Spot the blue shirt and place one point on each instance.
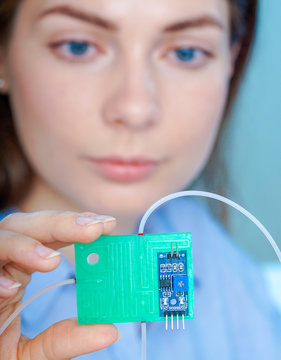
(234, 318)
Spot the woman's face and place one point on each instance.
(118, 103)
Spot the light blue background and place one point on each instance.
(253, 142)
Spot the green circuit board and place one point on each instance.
(134, 278)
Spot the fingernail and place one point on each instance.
(45, 252)
(105, 218)
(91, 220)
(16, 285)
(119, 335)
(84, 220)
(8, 283)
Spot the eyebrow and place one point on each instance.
(106, 24)
(198, 22)
(92, 19)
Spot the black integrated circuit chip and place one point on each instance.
(166, 283)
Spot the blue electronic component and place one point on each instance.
(180, 283)
(173, 283)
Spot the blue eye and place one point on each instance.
(187, 54)
(77, 47)
(75, 51)
(189, 57)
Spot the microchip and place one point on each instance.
(165, 283)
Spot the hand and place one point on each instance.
(28, 243)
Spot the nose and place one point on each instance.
(132, 103)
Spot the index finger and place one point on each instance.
(59, 228)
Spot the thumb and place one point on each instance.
(66, 339)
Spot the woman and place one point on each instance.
(108, 107)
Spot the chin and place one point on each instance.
(123, 201)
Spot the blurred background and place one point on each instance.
(253, 151)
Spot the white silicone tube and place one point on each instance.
(216, 197)
(33, 297)
(143, 340)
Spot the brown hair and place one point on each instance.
(15, 172)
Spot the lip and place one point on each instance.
(124, 170)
